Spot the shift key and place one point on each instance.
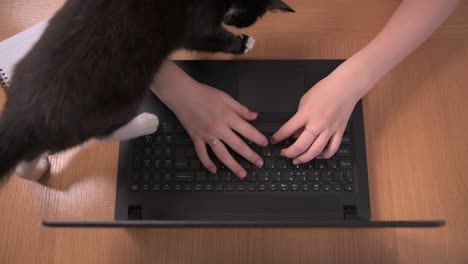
(184, 176)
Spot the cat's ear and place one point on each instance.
(280, 5)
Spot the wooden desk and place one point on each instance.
(416, 123)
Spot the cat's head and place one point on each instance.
(244, 13)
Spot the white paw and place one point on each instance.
(146, 123)
(249, 44)
(33, 170)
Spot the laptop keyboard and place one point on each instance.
(167, 162)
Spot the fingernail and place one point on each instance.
(265, 143)
(273, 141)
(259, 163)
(295, 162)
(213, 170)
(242, 174)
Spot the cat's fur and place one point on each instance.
(86, 76)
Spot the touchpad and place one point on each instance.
(270, 88)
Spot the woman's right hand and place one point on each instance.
(211, 117)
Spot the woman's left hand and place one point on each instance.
(321, 119)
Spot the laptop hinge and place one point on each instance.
(350, 212)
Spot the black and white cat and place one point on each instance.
(87, 75)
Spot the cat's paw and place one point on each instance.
(34, 170)
(146, 124)
(247, 43)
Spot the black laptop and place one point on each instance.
(161, 182)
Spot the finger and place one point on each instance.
(298, 133)
(314, 150)
(240, 109)
(294, 124)
(225, 157)
(243, 149)
(248, 131)
(202, 153)
(333, 145)
(301, 145)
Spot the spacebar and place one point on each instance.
(267, 127)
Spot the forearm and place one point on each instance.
(169, 79)
(413, 22)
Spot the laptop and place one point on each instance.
(161, 182)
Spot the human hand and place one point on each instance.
(320, 121)
(212, 117)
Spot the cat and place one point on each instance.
(88, 73)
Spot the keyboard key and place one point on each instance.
(325, 176)
(264, 176)
(158, 140)
(267, 153)
(156, 187)
(200, 176)
(288, 176)
(157, 152)
(269, 164)
(294, 187)
(338, 176)
(326, 187)
(167, 187)
(301, 176)
(179, 129)
(156, 176)
(273, 187)
(213, 177)
(281, 164)
(314, 176)
(209, 187)
(136, 162)
(148, 140)
(190, 153)
(349, 176)
(262, 187)
(344, 152)
(146, 176)
(167, 164)
(180, 160)
(275, 176)
(188, 187)
(346, 164)
(147, 164)
(147, 151)
(349, 187)
(167, 176)
(226, 176)
(251, 187)
(244, 163)
(177, 187)
(276, 152)
(135, 187)
(230, 187)
(166, 128)
(182, 176)
(346, 139)
(332, 164)
(183, 140)
(240, 187)
(294, 167)
(320, 164)
(198, 187)
(252, 176)
(169, 140)
(157, 164)
(168, 151)
(219, 187)
(305, 187)
(337, 187)
(315, 187)
(194, 164)
(283, 187)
